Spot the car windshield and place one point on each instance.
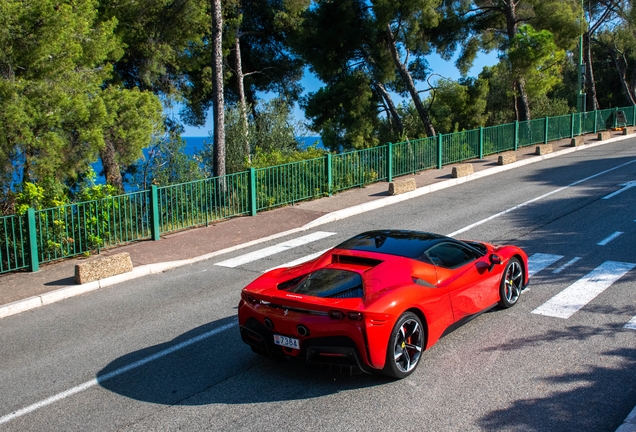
(333, 283)
(408, 244)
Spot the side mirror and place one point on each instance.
(494, 260)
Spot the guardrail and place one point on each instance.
(46, 235)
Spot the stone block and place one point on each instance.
(506, 158)
(401, 186)
(102, 267)
(577, 141)
(462, 170)
(543, 149)
(628, 130)
(604, 135)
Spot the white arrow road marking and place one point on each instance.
(581, 292)
(627, 186)
(262, 253)
(539, 261)
(631, 324)
(100, 379)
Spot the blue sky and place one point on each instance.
(441, 67)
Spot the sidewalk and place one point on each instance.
(20, 291)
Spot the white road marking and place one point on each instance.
(262, 253)
(299, 260)
(631, 324)
(627, 186)
(539, 261)
(92, 383)
(580, 293)
(566, 265)
(609, 239)
(483, 221)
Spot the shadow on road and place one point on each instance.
(221, 369)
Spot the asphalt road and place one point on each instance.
(163, 352)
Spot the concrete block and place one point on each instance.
(506, 158)
(103, 267)
(401, 186)
(577, 141)
(604, 135)
(462, 170)
(543, 149)
(628, 130)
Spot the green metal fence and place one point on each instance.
(412, 156)
(66, 231)
(358, 168)
(83, 227)
(200, 202)
(13, 244)
(289, 183)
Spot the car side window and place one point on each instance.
(450, 255)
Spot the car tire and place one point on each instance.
(511, 284)
(405, 346)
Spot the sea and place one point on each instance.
(193, 145)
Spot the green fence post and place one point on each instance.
(634, 115)
(481, 142)
(439, 151)
(516, 135)
(546, 130)
(572, 125)
(595, 122)
(389, 162)
(32, 238)
(329, 173)
(154, 213)
(252, 180)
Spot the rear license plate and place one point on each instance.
(286, 341)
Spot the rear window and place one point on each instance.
(334, 283)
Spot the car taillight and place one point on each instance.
(354, 316)
(336, 315)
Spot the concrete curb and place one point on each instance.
(75, 290)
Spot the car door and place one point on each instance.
(466, 276)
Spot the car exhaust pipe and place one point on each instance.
(302, 330)
(269, 324)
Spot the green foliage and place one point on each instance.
(262, 159)
(270, 129)
(39, 196)
(458, 106)
(536, 57)
(166, 164)
(345, 112)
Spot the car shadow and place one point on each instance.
(219, 368)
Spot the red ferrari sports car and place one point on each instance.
(379, 299)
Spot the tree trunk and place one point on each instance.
(218, 102)
(621, 67)
(241, 92)
(390, 106)
(590, 85)
(522, 105)
(410, 85)
(112, 171)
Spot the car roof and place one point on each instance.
(407, 244)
